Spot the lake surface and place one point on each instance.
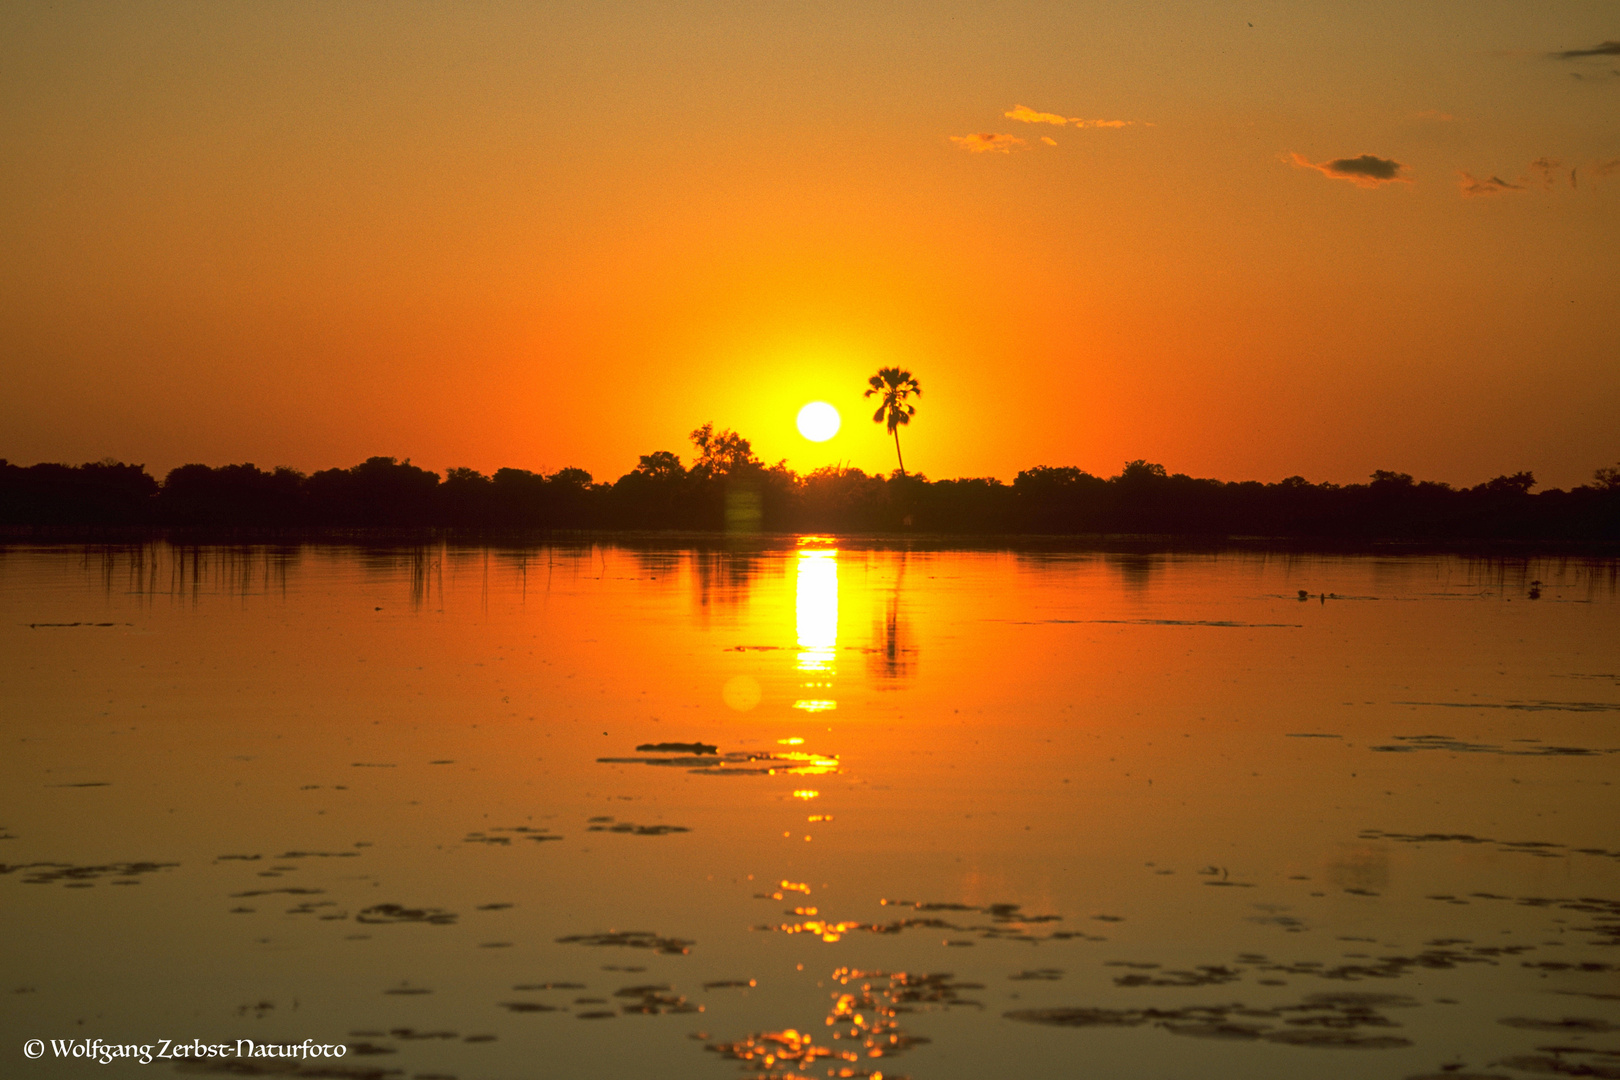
(966, 813)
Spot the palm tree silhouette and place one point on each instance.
(895, 385)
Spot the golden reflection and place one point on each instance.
(816, 609)
(806, 764)
(864, 1024)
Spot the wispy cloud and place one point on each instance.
(1605, 48)
(1029, 116)
(987, 142)
(1473, 187)
(1048, 140)
(1365, 171)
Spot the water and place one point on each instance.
(966, 814)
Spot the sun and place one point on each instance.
(819, 421)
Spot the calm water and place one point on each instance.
(967, 814)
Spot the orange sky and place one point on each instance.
(566, 234)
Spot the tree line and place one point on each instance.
(726, 487)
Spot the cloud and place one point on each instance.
(1473, 187)
(1030, 116)
(987, 142)
(1607, 48)
(1048, 140)
(1365, 171)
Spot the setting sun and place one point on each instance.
(819, 421)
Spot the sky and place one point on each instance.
(1245, 241)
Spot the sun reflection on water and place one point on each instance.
(816, 614)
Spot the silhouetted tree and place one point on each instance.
(722, 453)
(98, 493)
(893, 385)
(232, 495)
(729, 488)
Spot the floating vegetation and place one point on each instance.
(49, 873)
(678, 748)
(1407, 744)
(1394, 967)
(1566, 1061)
(1320, 1020)
(527, 1007)
(632, 939)
(1038, 975)
(635, 830)
(291, 890)
(1605, 926)
(310, 907)
(522, 832)
(1008, 922)
(1540, 848)
(1522, 706)
(1585, 1024)
(1203, 975)
(654, 1000)
(737, 762)
(66, 625)
(863, 1023)
(1591, 967)
(730, 984)
(529, 987)
(405, 1033)
(395, 913)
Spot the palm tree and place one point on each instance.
(894, 385)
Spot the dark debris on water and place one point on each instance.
(1332, 1020)
(631, 939)
(50, 873)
